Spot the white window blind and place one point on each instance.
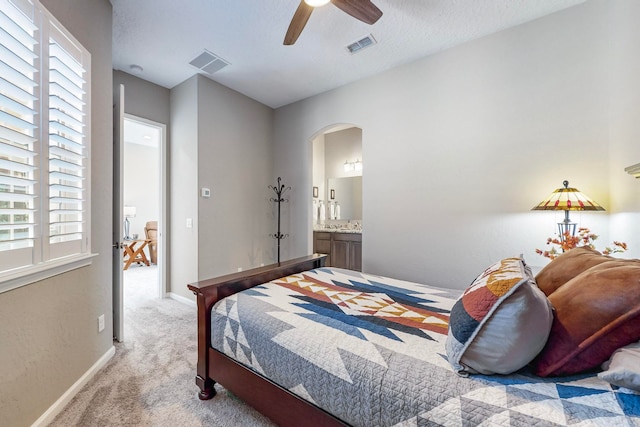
(18, 137)
(67, 148)
(44, 139)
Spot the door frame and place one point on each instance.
(118, 172)
(162, 213)
(116, 267)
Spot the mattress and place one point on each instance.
(371, 351)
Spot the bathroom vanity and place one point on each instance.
(344, 248)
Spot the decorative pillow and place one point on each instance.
(567, 266)
(500, 323)
(597, 312)
(623, 369)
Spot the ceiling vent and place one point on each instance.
(209, 62)
(361, 44)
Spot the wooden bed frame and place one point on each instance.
(275, 402)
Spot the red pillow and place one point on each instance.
(567, 266)
(596, 313)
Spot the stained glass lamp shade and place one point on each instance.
(567, 199)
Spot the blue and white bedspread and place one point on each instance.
(370, 350)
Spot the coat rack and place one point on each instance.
(279, 189)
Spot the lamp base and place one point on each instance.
(566, 228)
(126, 229)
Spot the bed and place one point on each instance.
(310, 345)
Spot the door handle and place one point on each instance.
(118, 245)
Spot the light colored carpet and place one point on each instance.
(150, 380)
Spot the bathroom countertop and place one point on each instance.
(339, 230)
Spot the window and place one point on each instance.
(44, 145)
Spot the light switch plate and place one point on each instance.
(205, 192)
(101, 323)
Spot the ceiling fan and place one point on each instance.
(363, 10)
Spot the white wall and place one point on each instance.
(625, 126)
(141, 184)
(458, 147)
(48, 330)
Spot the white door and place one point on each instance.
(118, 233)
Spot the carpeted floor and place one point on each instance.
(150, 380)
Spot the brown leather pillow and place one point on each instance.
(596, 313)
(567, 266)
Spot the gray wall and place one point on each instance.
(152, 102)
(341, 146)
(48, 330)
(227, 137)
(144, 99)
(235, 158)
(183, 186)
(458, 147)
(222, 140)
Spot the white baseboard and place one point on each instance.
(62, 402)
(182, 299)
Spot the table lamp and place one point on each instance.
(567, 199)
(128, 212)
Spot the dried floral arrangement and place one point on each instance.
(584, 238)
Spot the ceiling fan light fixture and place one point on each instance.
(316, 3)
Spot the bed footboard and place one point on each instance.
(208, 292)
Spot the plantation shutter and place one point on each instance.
(45, 116)
(67, 149)
(18, 138)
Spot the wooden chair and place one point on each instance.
(151, 233)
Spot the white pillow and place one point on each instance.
(623, 368)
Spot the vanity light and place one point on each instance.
(352, 166)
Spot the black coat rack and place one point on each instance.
(279, 189)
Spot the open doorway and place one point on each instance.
(142, 183)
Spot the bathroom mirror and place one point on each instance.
(347, 192)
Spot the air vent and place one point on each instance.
(361, 44)
(208, 62)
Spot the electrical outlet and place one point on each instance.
(189, 222)
(101, 323)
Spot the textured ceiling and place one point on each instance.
(162, 36)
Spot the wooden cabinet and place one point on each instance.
(344, 249)
(322, 244)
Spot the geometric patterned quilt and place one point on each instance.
(370, 350)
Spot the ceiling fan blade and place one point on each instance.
(363, 10)
(298, 22)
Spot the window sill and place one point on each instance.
(25, 276)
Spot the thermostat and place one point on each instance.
(205, 192)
